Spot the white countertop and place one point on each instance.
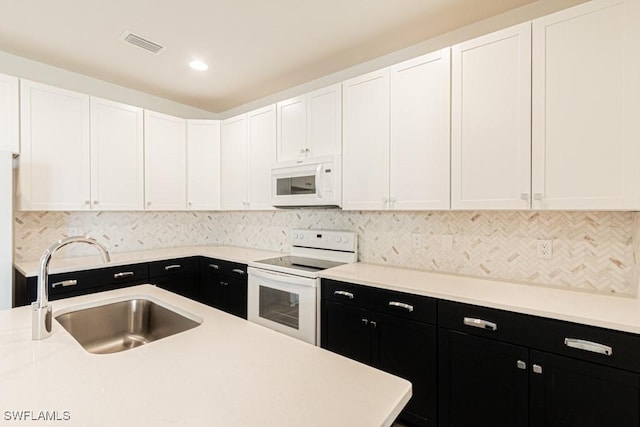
(611, 312)
(225, 372)
(227, 253)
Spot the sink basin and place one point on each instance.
(123, 325)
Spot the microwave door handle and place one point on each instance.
(319, 189)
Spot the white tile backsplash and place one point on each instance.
(594, 251)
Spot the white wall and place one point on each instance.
(6, 229)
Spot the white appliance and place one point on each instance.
(307, 182)
(284, 292)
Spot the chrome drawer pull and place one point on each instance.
(593, 347)
(214, 266)
(343, 294)
(123, 274)
(406, 306)
(70, 282)
(171, 267)
(479, 323)
(238, 271)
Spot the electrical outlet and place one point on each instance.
(544, 249)
(416, 240)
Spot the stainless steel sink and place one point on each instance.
(123, 325)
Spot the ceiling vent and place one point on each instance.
(141, 42)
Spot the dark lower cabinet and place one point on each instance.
(482, 382)
(223, 285)
(498, 368)
(176, 275)
(570, 392)
(65, 285)
(379, 328)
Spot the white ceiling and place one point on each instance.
(253, 47)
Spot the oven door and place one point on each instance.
(284, 303)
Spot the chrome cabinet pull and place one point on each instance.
(537, 369)
(123, 274)
(479, 323)
(171, 267)
(214, 266)
(524, 196)
(365, 322)
(403, 305)
(343, 294)
(238, 271)
(373, 324)
(64, 283)
(521, 364)
(591, 346)
(224, 283)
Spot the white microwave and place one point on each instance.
(312, 182)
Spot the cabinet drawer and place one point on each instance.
(347, 293)
(409, 306)
(593, 344)
(171, 267)
(133, 273)
(487, 322)
(212, 266)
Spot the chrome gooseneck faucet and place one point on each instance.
(41, 309)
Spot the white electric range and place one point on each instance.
(284, 292)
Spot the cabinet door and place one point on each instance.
(419, 150)
(165, 162)
(480, 382)
(365, 146)
(117, 156)
(9, 114)
(203, 164)
(292, 125)
(237, 296)
(234, 172)
(346, 331)
(408, 349)
(569, 392)
(491, 121)
(586, 103)
(324, 121)
(262, 156)
(54, 171)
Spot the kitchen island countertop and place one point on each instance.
(225, 372)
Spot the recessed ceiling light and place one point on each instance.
(197, 64)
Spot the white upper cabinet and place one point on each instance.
(9, 105)
(365, 149)
(262, 155)
(117, 156)
(54, 171)
(491, 121)
(586, 107)
(203, 164)
(419, 143)
(396, 136)
(310, 125)
(165, 162)
(234, 167)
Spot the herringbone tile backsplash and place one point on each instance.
(594, 251)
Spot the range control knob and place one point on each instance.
(338, 239)
(295, 235)
(345, 239)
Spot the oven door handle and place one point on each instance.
(281, 277)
